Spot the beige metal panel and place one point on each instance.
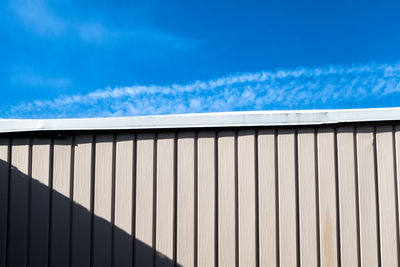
(61, 204)
(387, 198)
(81, 217)
(367, 196)
(144, 200)
(206, 200)
(287, 198)
(123, 200)
(347, 197)
(307, 198)
(165, 197)
(267, 198)
(185, 215)
(226, 199)
(163, 220)
(3, 197)
(246, 198)
(19, 192)
(40, 202)
(327, 197)
(397, 155)
(103, 185)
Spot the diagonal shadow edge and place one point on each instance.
(46, 240)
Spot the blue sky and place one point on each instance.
(122, 58)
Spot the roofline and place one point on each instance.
(205, 120)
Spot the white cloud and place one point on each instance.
(36, 15)
(29, 78)
(302, 87)
(39, 17)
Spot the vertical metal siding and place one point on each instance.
(251, 197)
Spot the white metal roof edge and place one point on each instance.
(205, 120)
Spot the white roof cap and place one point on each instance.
(205, 120)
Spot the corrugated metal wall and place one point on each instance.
(252, 197)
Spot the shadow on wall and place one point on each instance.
(37, 235)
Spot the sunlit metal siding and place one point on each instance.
(250, 196)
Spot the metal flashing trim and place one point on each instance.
(205, 120)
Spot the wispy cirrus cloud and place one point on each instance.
(329, 86)
(40, 18)
(32, 79)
